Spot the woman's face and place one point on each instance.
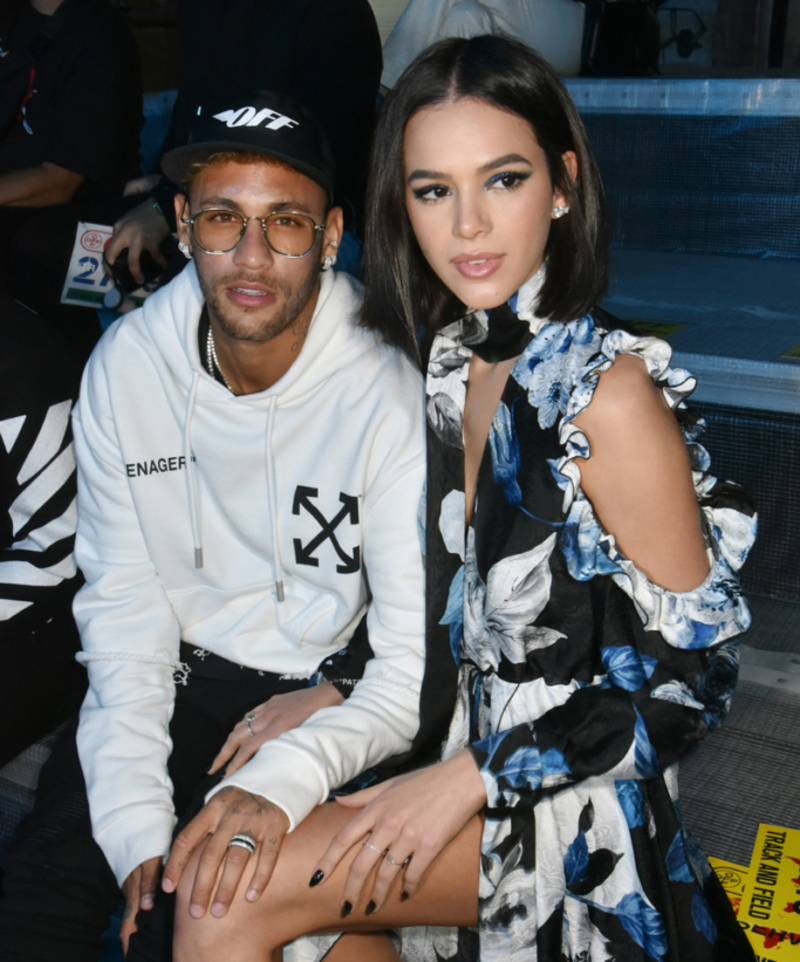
(479, 197)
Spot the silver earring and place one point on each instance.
(328, 262)
(184, 249)
(559, 211)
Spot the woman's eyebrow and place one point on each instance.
(502, 161)
(426, 175)
(421, 174)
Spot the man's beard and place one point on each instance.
(239, 323)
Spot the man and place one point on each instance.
(70, 114)
(248, 457)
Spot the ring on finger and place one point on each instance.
(392, 861)
(247, 722)
(250, 717)
(243, 840)
(380, 851)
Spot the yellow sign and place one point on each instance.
(733, 879)
(770, 907)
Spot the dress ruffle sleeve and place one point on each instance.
(715, 609)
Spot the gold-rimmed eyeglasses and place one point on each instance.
(289, 233)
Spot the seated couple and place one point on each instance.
(251, 453)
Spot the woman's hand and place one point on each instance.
(407, 822)
(279, 714)
(230, 812)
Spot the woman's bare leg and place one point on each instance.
(252, 931)
(364, 946)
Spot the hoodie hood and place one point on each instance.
(333, 342)
(170, 318)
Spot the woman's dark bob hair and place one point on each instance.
(403, 294)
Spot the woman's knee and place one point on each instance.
(210, 938)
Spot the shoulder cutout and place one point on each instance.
(638, 478)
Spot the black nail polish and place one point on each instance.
(405, 897)
(316, 878)
(347, 908)
(370, 908)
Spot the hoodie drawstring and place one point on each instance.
(191, 472)
(273, 497)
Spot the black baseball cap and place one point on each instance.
(266, 123)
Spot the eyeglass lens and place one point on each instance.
(286, 232)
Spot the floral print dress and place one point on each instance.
(580, 683)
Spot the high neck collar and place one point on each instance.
(505, 331)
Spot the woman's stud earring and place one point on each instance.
(184, 249)
(559, 211)
(328, 262)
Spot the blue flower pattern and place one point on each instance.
(504, 448)
(598, 812)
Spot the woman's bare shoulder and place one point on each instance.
(624, 393)
(638, 476)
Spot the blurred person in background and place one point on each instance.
(70, 115)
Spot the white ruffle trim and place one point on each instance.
(715, 609)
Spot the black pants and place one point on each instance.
(58, 889)
(41, 685)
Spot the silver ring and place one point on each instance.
(250, 717)
(243, 841)
(402, 864)
(380, 851)
(247, 723)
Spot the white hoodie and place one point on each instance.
(174, 470)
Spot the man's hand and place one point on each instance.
(230, 812)
(139, 888)
(143, 228)
(279, 714)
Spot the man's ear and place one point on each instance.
(334, 228)
(181, 216)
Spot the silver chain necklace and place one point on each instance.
(213, 360)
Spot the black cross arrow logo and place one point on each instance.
(305, 555)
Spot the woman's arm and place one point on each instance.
(638, 477)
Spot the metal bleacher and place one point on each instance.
(701, 178)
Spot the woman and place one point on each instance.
(580, 566)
